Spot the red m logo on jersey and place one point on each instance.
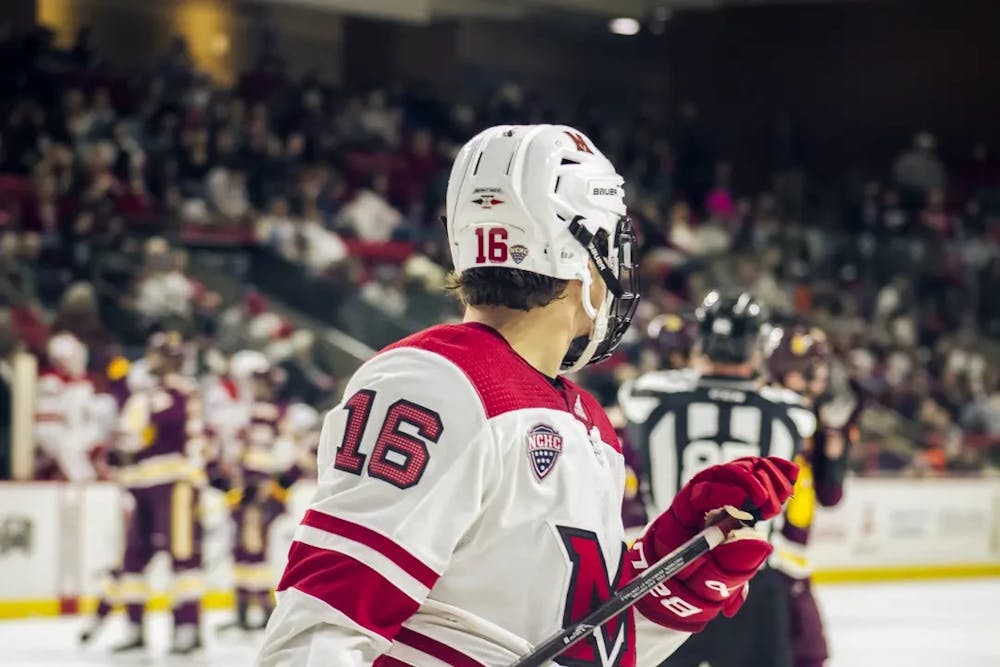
(590, 585)
(579, 141)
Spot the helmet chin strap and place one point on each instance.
(598, 326)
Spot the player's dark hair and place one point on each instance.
(510, 288)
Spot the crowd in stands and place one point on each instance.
(105, 175)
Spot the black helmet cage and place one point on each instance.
(618, 267)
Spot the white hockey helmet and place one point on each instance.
(246, 363)
(543, 199)
(303, 417)
(67, 352)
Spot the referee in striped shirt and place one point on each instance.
(683, 421)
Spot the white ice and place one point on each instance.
(938, 624)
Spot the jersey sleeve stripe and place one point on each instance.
(380, 543)
(388, 661)
(435, 649)
(365, 555)
(350, 587)
(413, 658)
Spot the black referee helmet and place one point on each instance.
(728, 326)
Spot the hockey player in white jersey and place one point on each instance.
(469, 496)
(683, 421)
(72, 418)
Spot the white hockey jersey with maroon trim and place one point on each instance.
(467, 508)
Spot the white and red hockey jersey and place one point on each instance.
(71, 419)
(227, 413)
(467, 507)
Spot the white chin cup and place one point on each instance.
(599, 323)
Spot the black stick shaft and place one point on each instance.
(631, 593)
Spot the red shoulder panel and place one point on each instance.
(503, 380)
(54, 374)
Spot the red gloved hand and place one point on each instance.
(717, 581)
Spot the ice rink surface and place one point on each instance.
(939, 624)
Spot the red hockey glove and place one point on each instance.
(717, 581)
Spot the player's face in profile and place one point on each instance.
(796, 382)
(154, 361)
(677, 359)
(261, 389)
(819, 381)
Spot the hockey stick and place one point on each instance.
(647, 580)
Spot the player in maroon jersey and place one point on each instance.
(161, 425)
(798, 358)
(257, 488)
(673, 337)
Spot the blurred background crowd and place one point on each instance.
(282, 213)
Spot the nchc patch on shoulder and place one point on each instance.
(544, 446)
